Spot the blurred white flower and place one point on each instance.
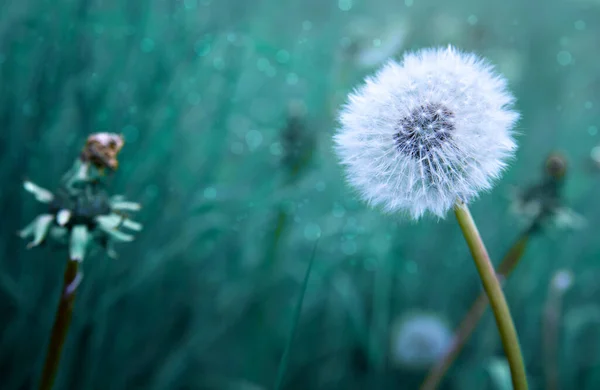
(425, 132)
(562, 280)
(419, 340)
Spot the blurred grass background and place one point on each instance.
(228, 108)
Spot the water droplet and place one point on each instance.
(312, 231)
(345, 5)
(564, 57)
(592, 130)
(291, 78)
(338, 210)
(210, 193)
(282, 56)
(580, 25)
(253, 139)
(472, 20)
(262, 64)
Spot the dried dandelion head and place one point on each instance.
(556, 166)
(99, 154)
(423, 133)
(81, 211)
(102, 149)
(542, 205)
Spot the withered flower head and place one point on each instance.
(81, 210)
(102, 149)
(542, 203)
(556, 166)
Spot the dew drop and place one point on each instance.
(312, 231)
(345, 5)
(210, 193)
(564, 58)
(253, 139)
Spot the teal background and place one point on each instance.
(236, 195)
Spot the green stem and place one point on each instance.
(472, 318)
(62, 320)
(493, 289)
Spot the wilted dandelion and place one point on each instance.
(429, 134)
(542, 205)
(80, 212)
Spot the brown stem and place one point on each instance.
(493, 290)
(60, 328)
(472, 318)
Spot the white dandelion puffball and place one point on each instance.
(418, 340)
(421, 134)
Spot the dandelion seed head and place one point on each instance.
(422, 133)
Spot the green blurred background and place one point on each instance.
(228, 108)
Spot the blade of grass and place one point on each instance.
(286, 353)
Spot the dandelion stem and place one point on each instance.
(494, 292)
(473, 316)
(62, 320)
